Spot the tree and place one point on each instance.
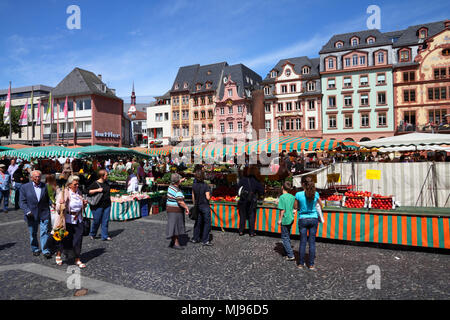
(15, 116)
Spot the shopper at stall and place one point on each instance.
(201, 194)
(12, 167)
(308, 220)
(132, 182)
(141, 175)
(73, 204)
(101, 211)
(287, 207)
(249, 190)
(5, 185)
(176, 207)
(20, 177)
(35, 203)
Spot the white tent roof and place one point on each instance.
(414, 148)
(413, 139)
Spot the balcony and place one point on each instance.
(405, 129)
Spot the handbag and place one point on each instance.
(193, 213)
(319, 212)
(94, 200)
(86, 225)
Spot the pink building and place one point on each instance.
(233, 111)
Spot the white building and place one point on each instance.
(159, 119)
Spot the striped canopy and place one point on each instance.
(163, 151)
(41, 152)
(107, 151)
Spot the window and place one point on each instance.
(230, 127)
(297, 105)
(382, 119)
(210, 100)
(347, 62)
(381, 98)
(330, 64)
(332, 122)
(288, 124)
(288, 72)
(409, 76)
(311, 105)
(268, 108)
(331, 102)
(203, 101)
(222, 110)
(203, 115)
(347, 82)
(305, 70)
(166, 116)
(293, 88)
(280, 107)
(210, 128)
(274, 74)
(370, 40)
(312, 123)
(195, 101)
(239, 125)
(185, 131)
(365, 120)
(208, 85)
(364, 81)
(331, 83)
(266, 91)
(380, 57)
(348, 101)
(355, 60)
(195, 129)
(436, 116)
(364, 99)
(446, 52)
(196, 115)
(354, 42)
(230, 92)
(284, 89)
(240, 109)
(298, 124)
(409, 95)
(348, 121)
(230, 110)
(437, 93)
(83, 104)
(199, 87)
(288, 106)
(268, 126)
(280, 125)
(311, 86)
(422, 33)
(404, 56)
(338, 45)
(362, 60)
(222, 127)
(381, 79)
(84, 126)
(440, 73)
(210, 114)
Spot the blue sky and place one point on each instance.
(147, 41)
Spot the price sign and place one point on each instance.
(334, 178)
(373, 174)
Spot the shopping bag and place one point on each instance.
(319, 212)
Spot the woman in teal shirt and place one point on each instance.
(308, 220)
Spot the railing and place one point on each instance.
(423, 128)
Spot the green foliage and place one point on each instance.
(15, 115)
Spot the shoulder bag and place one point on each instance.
(95, 199)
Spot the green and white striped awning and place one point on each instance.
(41, 152)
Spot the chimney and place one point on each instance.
(113, 91)
(100, 77)
(447, 24)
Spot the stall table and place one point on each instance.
(419, 227)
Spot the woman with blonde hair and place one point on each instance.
(70, 201)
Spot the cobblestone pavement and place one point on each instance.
(235, 267)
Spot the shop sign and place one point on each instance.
(107, 135)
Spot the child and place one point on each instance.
(286, 204)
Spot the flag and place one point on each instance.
(49, 109)
(23, 121)
(7, 113)
(38, 121)
(66, 111)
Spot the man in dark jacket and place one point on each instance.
(35, 203)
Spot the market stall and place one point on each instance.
(419, 227)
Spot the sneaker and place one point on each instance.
(301, 266)
(312, 268)
(208, 244)
(289, 258)
(194, 241)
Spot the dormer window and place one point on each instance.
(423, 33)
(305, 70)
(380, 57)
(339, 44)
(208, 85)
(354, 41)
(199, 86)
(311, 86)
(330, 63)
(177, 86)
(404, 55)
(371, 40)
(288, 72)
(273, 74)
(185, 85)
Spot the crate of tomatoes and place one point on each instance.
(334, 200)
(356, 199)
(377, 201)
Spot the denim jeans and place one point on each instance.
(101, 217)
(305, 226)
(285, 238)
(202, 225)
(33, 229)
(17, 187)
(4, 194)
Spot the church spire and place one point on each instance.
(133, 97)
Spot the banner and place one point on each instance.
(23, 121)
(7, 113)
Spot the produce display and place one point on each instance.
(224, 191)
(225, 199)
(117, 175)
(381, 202)
(165, 179)
(137, 196)
(356, 199)
(334, 200)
